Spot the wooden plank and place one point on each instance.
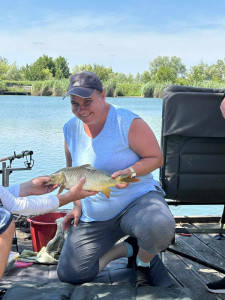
(216, 245)
(201, 250)
(193, 246)
(184, 274)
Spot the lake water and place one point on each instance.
(35, 123)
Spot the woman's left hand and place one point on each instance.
(121, 172)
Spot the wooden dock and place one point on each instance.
(184, 272)
(191, 274)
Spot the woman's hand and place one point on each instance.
(121, 172)
(73, 215)
(36, 186)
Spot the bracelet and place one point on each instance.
(133, 172)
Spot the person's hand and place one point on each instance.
(76, 192)
(73, 215)
(37, 186)
(121, 172)
(222, 107)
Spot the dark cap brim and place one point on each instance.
(80, 91)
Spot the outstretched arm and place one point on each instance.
(36, 205)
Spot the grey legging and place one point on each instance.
(148, 218)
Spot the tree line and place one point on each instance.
(49, 76)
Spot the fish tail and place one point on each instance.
(128, 178)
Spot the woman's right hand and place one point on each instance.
(73, 215)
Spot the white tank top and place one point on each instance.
(109, 151)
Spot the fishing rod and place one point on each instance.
(197, 260)
(7, 170)
(21, 155)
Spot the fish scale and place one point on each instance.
(96, 180)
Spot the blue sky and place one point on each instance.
(123, 34)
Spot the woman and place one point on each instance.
(119, 142)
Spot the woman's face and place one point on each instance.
(88, 110)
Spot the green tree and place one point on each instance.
(87, 67)
(145, 77)
(205, 72)
(165, 64)
(42, 69)
(216, 72)
(36, 72)
(13, 73)
(61, 68)
(165, 73)
(198, 72)
(4, 66)
(102, 72)
(120, 78)
(45, 62)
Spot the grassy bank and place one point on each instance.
(113, 89)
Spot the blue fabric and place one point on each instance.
(5, 219)
(140, 263)
(109, 151)
(130, 251)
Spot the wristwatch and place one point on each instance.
(133, 172)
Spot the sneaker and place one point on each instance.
(132, 260)
(156, 275)
(217, 286)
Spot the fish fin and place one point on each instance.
(89, 167)
(106, 191)
(85, 166)
(61, 189)
(128, 178)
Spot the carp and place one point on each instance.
(96, 180)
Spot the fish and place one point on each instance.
(96, 180)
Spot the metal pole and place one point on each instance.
(5, 175)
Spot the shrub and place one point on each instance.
(128, 89)
(110, 88)
(158, 91)
(147, 90)
(36, 88)
(2, 86)
(60, 87)
(47, 88)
